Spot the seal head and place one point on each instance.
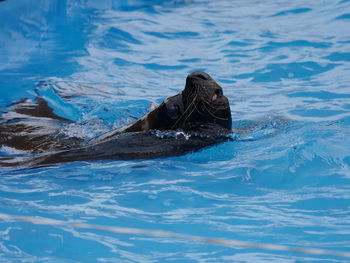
(201, 103)
(205, 102)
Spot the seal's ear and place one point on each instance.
(174, 106)
(172, 109)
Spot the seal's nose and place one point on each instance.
(217, 94)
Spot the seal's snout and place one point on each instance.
(217, 94)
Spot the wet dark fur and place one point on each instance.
(196, 118)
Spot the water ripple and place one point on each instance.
(283, 180)
(293, 11)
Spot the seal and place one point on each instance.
(198, 117)
(201, 103)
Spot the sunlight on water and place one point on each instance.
(284, 180)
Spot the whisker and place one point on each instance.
(213, 115)
(183, 114)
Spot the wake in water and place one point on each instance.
(200, 116)
(33, 134)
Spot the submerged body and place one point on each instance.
(197, 117)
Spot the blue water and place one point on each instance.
(102, 63)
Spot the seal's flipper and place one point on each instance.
(30, 126)
(39, 109)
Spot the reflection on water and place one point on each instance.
(103, 63)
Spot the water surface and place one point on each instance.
(103, 63)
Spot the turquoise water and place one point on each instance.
(102, 63)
